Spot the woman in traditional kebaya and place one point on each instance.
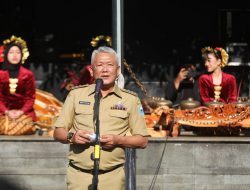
(17, 87)
(216, 85)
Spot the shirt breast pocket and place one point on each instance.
(84, 116)
(118, 117)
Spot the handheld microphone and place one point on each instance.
(98, 86)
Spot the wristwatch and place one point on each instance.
(70, 136)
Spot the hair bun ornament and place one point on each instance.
(22, 43)
(224, 56)
(207, 49)
(101, 38)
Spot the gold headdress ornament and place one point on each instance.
(224, 54)
(19, 40)
(94, 41)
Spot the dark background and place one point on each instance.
(150, 27)
(158, 35)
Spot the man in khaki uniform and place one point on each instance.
(122, 125)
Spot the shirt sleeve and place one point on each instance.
(232, 90)
(3, 108)
(65, 119)
(171, 92)
(30, 94)
(204, 90)
(136, 119)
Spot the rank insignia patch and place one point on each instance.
(118, 106)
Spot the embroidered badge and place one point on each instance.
(84, 103)
(118, 106)
(141, 111)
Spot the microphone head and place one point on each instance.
(98, 86)
(98, 83)
(99, 80)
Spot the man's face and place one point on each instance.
(106, 68)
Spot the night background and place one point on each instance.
(158, 35)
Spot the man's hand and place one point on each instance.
(82, 137)
(108, 141)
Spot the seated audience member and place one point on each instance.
(216, 85)
(17, 90)
(184, 85)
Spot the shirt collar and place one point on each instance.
(91, 89)
(116, 90)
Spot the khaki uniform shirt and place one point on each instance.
(120, 113)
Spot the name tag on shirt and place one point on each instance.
(84, 103)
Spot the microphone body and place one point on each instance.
(98, 86)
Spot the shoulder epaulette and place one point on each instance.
(129, 91)
(79, 86)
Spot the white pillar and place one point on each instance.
(117, 37)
